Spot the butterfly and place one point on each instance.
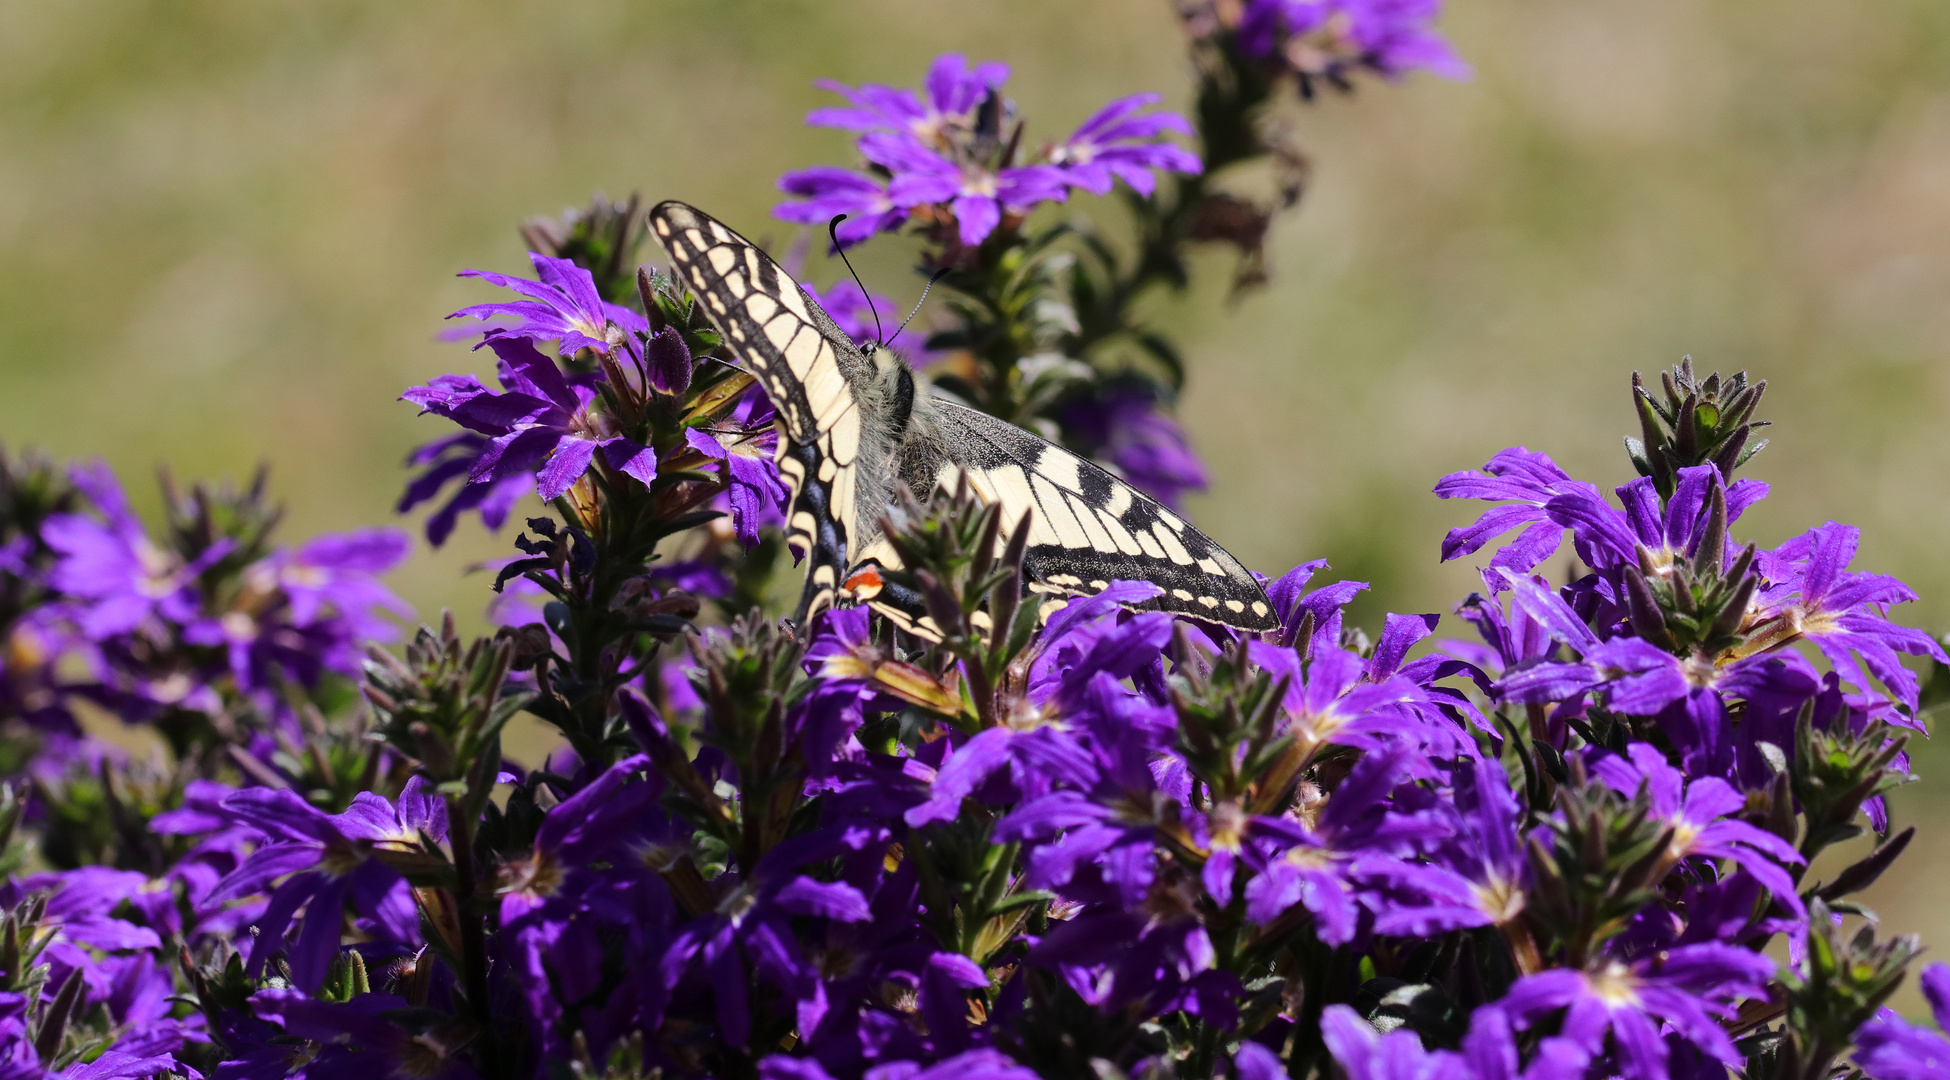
(855, 428)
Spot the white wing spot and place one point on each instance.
(1235, 606)
(1051, 500)
(1259, 608)
(793, 299)
(1209, 601)
(760, 307)
(1172, 547)
(1150, 546)
(1206, 564)
(723, 234)
(1061, 468)
(1120, 499)
(805, 351)
(735, 283)
(697, 240)
(722, 259)
(1126, 543)
(826, 470)
(780, 331)
(663, 227)
(1182, 594)
(1166, 516)
(1086, 517)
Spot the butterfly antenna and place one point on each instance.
(932, 278)
(833, 230)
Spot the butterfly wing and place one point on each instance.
(1091, 528)
(810, 369)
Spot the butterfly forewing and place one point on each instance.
(809, 369)
(1090, 528)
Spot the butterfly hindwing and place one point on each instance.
(812, 372)
(1091, 528)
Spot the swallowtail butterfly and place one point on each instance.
(853, 428)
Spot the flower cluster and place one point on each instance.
(1099, 840)
(1329, 41)
(951, 158)
(208, 634)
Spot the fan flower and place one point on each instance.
(447, 459)
(747, 443)
(954, 91)
(562, 307)
(976, 194)
(1118, 144)
(1888, 1048)
(121, 578)
(828, 191)
(1330, 38)
(324, 860)
(1689, 989)
(542, 419)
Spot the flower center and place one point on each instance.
(1614, 986)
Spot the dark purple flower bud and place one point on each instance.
(668, 361)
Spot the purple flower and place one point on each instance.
(1330, 700)
(980, 1064)
(1529, 481)
(121, 577)
(828, 191)
(954, 92)
(747, 443)
(361, 1039)
(1325, 38)
(1352, 857)
(1700, 815)
(1813, 594)
(1514, 639)
(1690, 988)
(975, 194)
(1366, 1054)
(1292, 602)
(1116, 144)
(79, 921)
(1486, 848)
(334, 576)
(562, 307)
(1609, 539)
(324, 860)
(752, 923)
(541, 420)
(1888, 1048)
(451, 457)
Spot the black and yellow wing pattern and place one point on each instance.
(814, 374)
(853, 426)
(1090, 528)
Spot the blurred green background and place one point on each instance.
(228, 231)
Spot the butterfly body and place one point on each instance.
(857, 428)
